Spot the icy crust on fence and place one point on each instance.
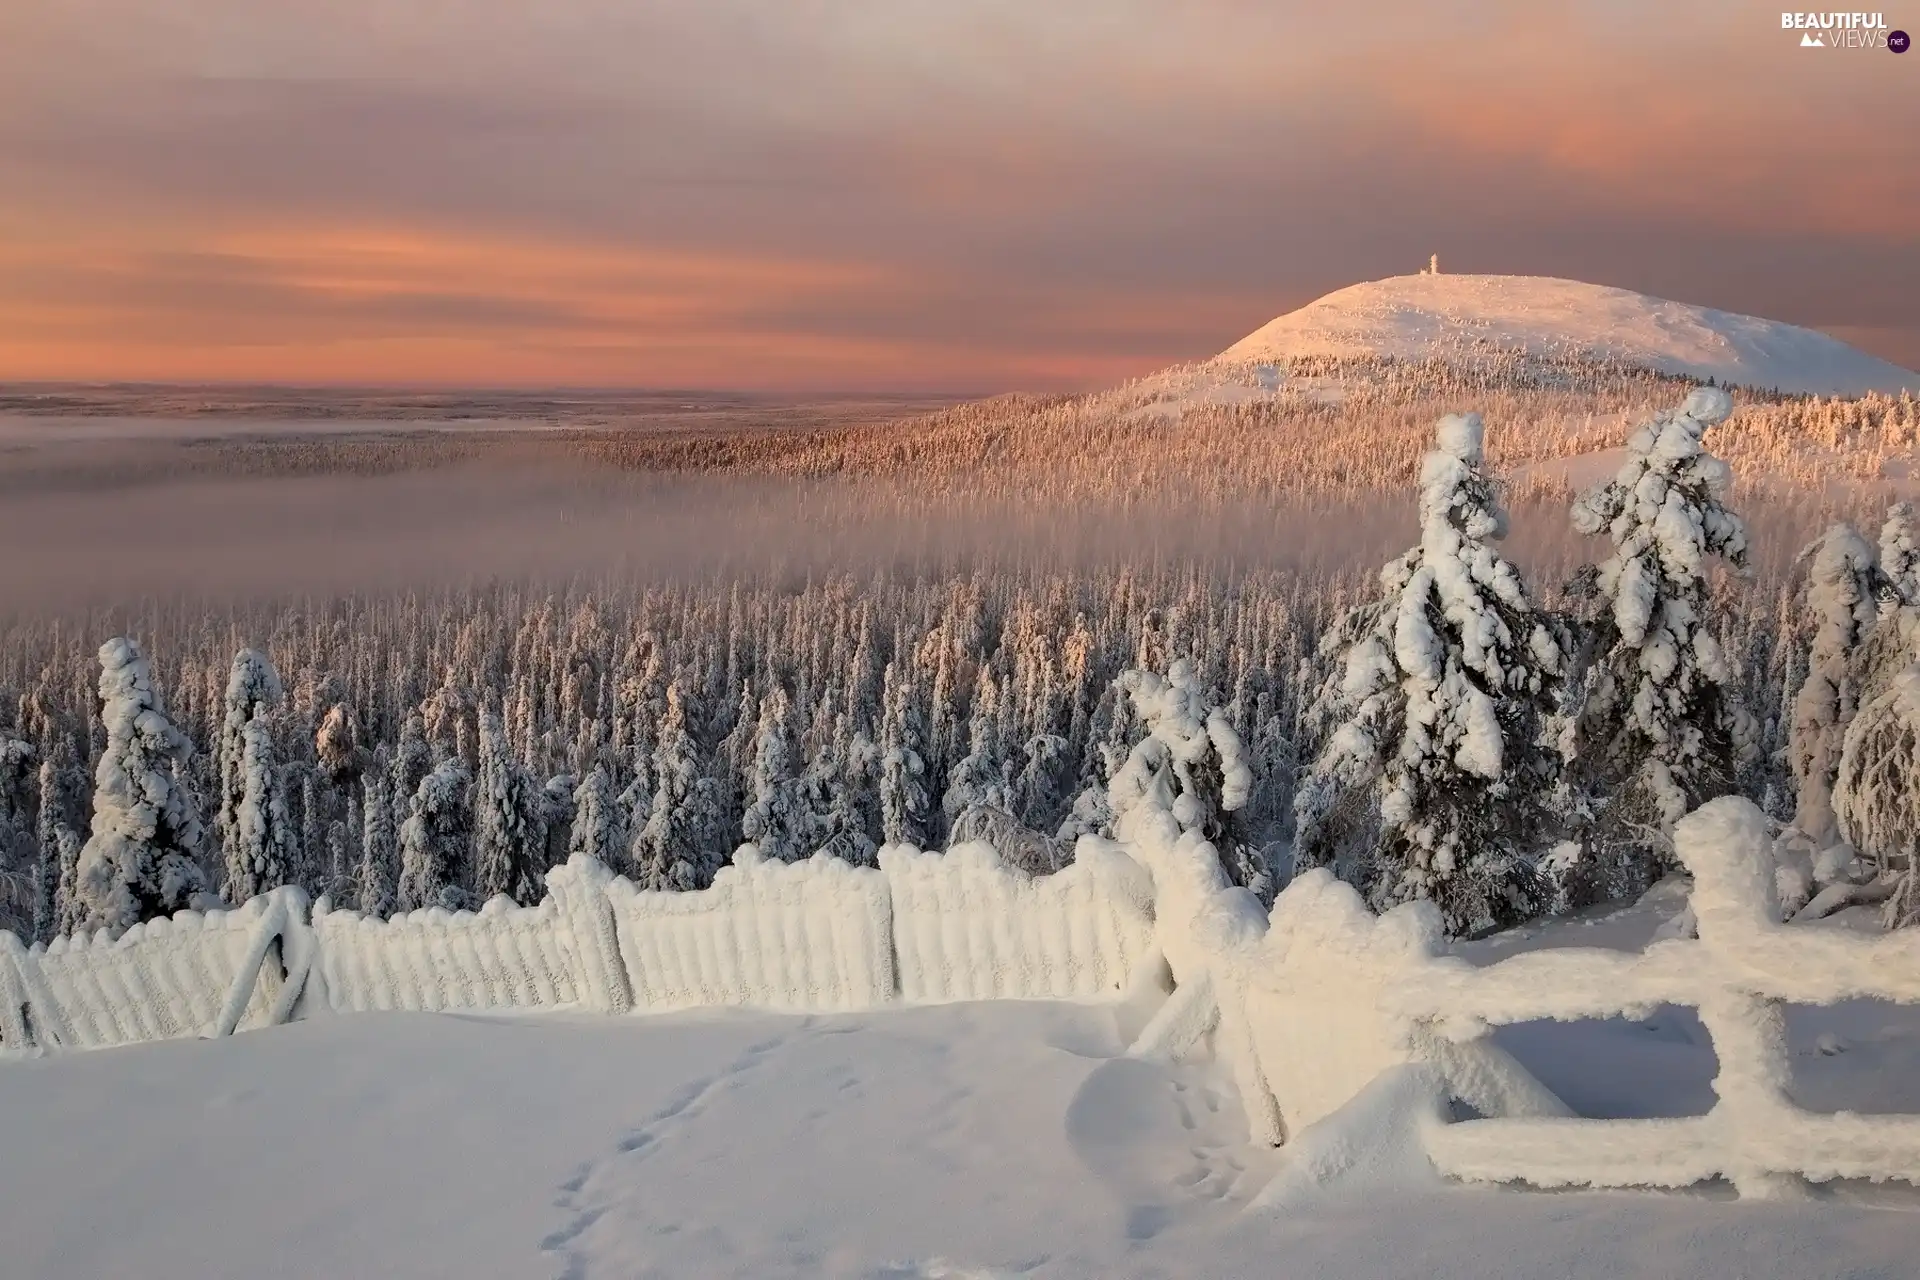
(560, 953)
(968, 927)
(810, 935)
(1743, 965)
(190, 974)
(500, 957)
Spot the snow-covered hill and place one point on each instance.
(1457, 316)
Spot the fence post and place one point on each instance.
(580, 888)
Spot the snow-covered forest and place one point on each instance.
(1509, 734)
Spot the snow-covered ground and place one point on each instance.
(1427, 316)
(991, 1139)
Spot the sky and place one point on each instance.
(902, 194)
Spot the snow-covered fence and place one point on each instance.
(967, 927)
(192, 974)
(771, 935)
(556, 954)
(1743, 965)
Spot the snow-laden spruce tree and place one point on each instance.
(1841, 599)
(253, 689)
(411, 763)
(837, 792)
(598, 824)
(509, 820)
(260, 835)
(62, 786)
(20, 858)
(436, 841)
(1448, 694)
(1189, 760)
(1041, 793)
(773, 822)
(63, 789)
(374, 877)
(142, 858)
(678, 846)
(1900, 556)
(1661, 728)
(979, 778)
(904, 800)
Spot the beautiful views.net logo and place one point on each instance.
(1844, 31)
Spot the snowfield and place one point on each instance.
(971, 1140)
(1442, 316)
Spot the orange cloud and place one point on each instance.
(402, 304)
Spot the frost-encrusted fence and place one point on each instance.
(811, 935)
(558, 953)
(966, 927)
(192, 974)
(1309, 1005)
(818, 935)
(1744, 964)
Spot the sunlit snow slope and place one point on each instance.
(1446, 316)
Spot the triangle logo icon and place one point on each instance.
(1812, 41)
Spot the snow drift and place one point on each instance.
(1457, 317)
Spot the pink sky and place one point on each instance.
(969, 194)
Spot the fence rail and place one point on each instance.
(1744, 965)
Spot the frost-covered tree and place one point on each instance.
(775, 821)
(374, 877)
(1841, 599)
(980, 776)
(1900, 555)
(142, 858)
(342, 866)
(675, 847)
(20, 857)
(509, 820)
(307, 862)
(57, 846)
(253, 690)
(1448, 696)
(1041, 793)
(63, 785)
(904, 799)
(1661, 728)
(436, 841)
(1876, 797)
(261, 839)
(558, 812)
(597, 823)
(837, 789)
(336, 745)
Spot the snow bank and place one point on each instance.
(807, 935)
(186, 975)
(968, 927)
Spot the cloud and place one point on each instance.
(956, 192)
